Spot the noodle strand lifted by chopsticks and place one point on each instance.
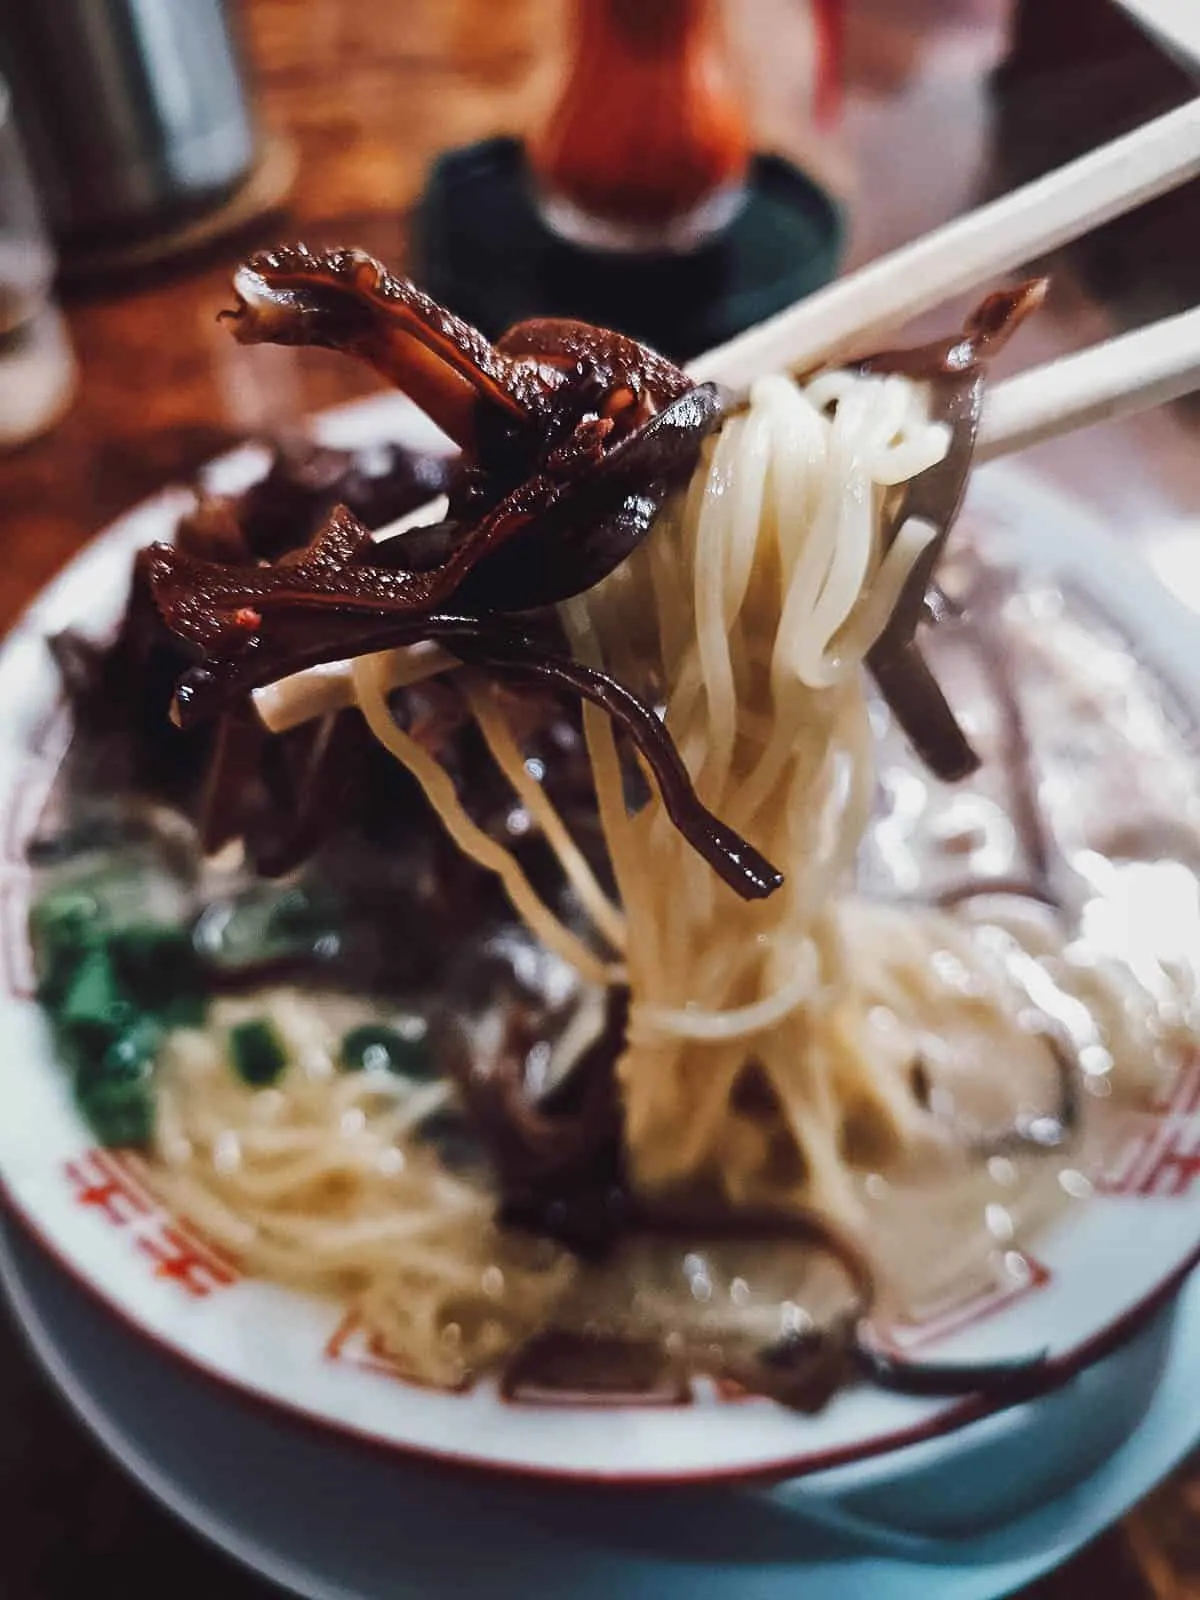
(467, 834)
(499, 738)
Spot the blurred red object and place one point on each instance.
(648, 127)
(648, 144)
(829, 24)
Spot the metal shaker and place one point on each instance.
(133, 112)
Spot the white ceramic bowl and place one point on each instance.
(1101, 1275)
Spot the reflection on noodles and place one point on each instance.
(771, 1045)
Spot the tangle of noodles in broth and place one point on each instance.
(770, 1046)
(320, 1183)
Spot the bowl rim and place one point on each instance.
(1021, 1552)
(1108, 1342)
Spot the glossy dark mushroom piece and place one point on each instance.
(954, 370)
(552, 1128)
(121, 690)
(284, 508)
(574, 438)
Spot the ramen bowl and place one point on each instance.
(1092, 1296)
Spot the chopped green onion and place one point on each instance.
(93, 1013)
(119, 1114)
(63, 928)
(114, 981)
(157, 964)
(127, 1060)
(184, 1010)
(68, 915)
(257, 1052)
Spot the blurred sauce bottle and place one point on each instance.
(133, 112)
(647, 147)
(37, 370)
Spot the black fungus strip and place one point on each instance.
(559, 1163)
(510, 653)
(954, 370)
(738, 863)
(1010, 1382)
(558, 533)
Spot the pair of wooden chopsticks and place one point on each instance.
(1145, 368)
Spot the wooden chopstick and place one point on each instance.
(852, 316)
(1146, 368)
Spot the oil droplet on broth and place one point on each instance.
(227, 1151)
(492, 1282)
(518, 822)
(1076, 1184)
(1017, 1268)
(794, 1320)
(1095, 1060)
(999, 1222)
(696, 1271)
(317, 1064)
(411, 1028)
(952, 973)
(1045, 1130)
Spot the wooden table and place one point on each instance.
(369, 93)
